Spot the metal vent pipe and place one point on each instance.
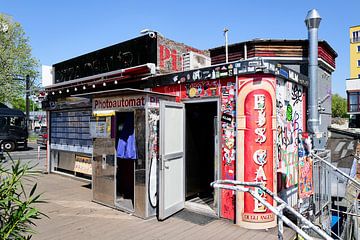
(312, 22)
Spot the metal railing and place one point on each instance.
(336, 194)
(278, 210)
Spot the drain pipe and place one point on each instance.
(312, 22)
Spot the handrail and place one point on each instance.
(357, 183)
(244, 187)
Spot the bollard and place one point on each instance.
(38, 153)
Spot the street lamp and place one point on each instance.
(27, 95)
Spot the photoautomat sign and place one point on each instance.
(121, 102)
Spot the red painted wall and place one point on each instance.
(258, 146)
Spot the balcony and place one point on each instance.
(353, 84)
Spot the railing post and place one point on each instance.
(356, 218)
(281, 222)
(280, 227)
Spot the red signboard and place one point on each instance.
(258, 153)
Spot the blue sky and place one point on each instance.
(59, 30)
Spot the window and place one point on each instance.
(358, 48)
(356, 36)
(358, 63)
(358, 75)
(354, 101)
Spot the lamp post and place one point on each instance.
(27, 94)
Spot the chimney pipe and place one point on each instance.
(226, 45)
(312, 22)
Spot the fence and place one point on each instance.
(336, 195)
(278, 210)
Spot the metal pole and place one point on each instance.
(312, 22)
(245, 51)
(221, 183)
(281, 222)
(266, 204)
(27, 94)
(226, 45)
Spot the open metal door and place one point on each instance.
(172, 162)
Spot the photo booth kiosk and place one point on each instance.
(125, 128)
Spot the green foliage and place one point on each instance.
(19, 103)
(16, 60)
(338, 106)
(17, 210)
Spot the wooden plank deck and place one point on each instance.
(74, 216)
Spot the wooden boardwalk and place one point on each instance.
(73, 216)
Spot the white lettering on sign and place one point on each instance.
(260, 155)
(294, 76)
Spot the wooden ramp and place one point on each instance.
(73, 216)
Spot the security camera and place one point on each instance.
(152, 34)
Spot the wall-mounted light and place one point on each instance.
(53, 93)
(60, 91)
(150, 32)
(84, 87)
(104, 84)
(93, 85)
(67, 90)
(75, 89)
(116, 82)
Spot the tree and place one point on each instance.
(338, 106)
(16, 60)
(19, 103)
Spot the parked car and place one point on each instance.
(43, 137)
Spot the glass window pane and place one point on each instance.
(353, 98)
(354, 108)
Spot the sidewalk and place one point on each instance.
(73, 216)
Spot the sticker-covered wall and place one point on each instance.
(228, 148)
(153, 154)
(223, 89)
(290, 115)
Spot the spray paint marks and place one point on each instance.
(289, 113)
(153, 146)
(289, 118)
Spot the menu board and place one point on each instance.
(83, 164)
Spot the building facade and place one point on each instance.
(184, 127)
(294, 55)
(353, 83)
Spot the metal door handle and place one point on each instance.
(167, 167)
